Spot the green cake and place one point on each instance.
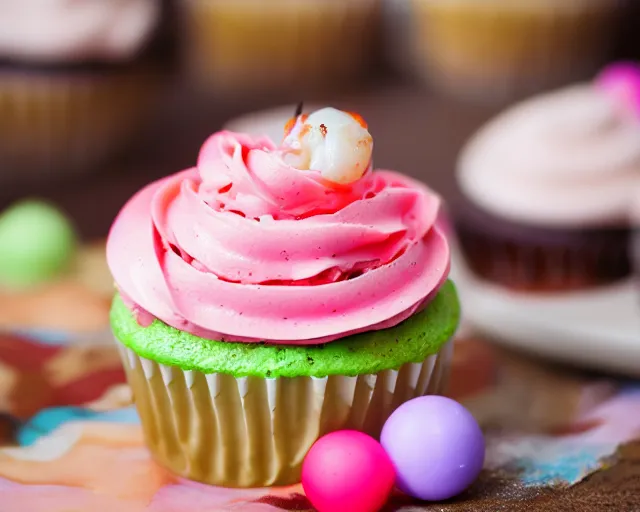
(412, 341)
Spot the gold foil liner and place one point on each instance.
(54, 123)
(255, 432)
(503, 49)
(241, 46)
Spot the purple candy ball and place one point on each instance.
(436, 446)
(622, 79)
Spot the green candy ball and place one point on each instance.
(37, 243)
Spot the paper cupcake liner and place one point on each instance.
(546, 267)
(282, 45)
(54, 123)
(255, 432)
(509, 49)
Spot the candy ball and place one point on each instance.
(347, 471)
(436, 446)
(37, 243)
(623, 80)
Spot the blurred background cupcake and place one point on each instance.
(76, 81)
(279, 46)
(501, 49)
(545, 187)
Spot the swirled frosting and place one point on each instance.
(72, 31)
(566, 158)
(245, 247)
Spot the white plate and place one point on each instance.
(596, 329)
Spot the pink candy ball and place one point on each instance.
(347, 471)
(622, 79)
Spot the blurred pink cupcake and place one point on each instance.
(546, 186)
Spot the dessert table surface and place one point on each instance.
(557, 437)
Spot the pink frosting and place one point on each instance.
(246, 248)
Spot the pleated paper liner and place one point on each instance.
(253, 46)
(58, 123)
(255, 432)
(505, 51)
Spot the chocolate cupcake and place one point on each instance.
(545, 188)
(76, 81)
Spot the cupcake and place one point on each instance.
(496, 49)
(76, 81)
(274, 293)
(242, 46)
(545, 187)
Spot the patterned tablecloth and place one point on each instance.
(70, 440)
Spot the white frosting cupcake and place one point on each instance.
(72, 31)
(568, 158)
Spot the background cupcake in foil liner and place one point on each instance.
(251, 46)
(76, 81)
(284, 292)
(545, 187)
(501, 49)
